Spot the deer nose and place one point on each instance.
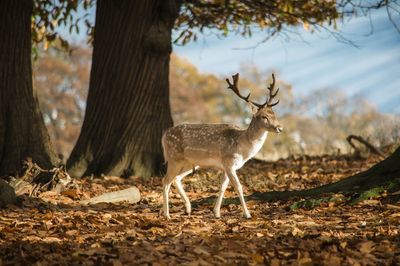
(279, 129)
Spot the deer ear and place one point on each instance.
(253, 108)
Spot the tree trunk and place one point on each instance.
(22, 130)
(378, 175)
(128, 102)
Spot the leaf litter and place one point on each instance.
(54, 229)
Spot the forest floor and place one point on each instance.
(55, 229)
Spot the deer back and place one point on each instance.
(199, 143)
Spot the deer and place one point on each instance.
(226, 147)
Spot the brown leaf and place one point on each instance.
(275, 262)
(257, 258)
(51, 239)
(72, 193)
(297, 232)
(366, 247)
(305, 261)
(201, 251)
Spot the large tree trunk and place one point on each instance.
(378, 175)
(128, 102)
(22, 130)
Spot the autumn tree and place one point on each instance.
(128, 102)
(61, 81)
(22, 131)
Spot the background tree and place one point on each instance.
(62, 82)
(22, 131)
(128, 106)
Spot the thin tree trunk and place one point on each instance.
(22, 130)
(128, 102)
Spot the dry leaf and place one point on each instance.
(366, 247)
(305, 261)
(257, 258)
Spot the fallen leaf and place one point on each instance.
(305, 261)
(257, 258)
(275, 262)
(201, 251)
(366, 247)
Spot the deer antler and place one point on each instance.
(235, 88)
(271, 94)
(268, 102)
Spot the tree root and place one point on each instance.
(380, 174)
(385, 174)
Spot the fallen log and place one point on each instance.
(130, 195)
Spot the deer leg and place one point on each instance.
(217, 207)
(167, 181)
(181, 191)
(166, 189)
(239, 190)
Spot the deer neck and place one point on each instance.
(256, 133)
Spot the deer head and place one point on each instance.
(263, 115)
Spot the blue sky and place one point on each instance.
(370, 67)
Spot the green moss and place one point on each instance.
(377, 192)
(372, 193)
(393, 185)
(309, 204)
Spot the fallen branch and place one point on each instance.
(36, 180)
(360, 139)
(33, 182)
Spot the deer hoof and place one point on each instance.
(188, 210)
(247, 215)
(165, 214)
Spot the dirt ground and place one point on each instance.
(55, 229)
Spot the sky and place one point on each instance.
(370, 67)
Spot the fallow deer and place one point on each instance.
(222, 146)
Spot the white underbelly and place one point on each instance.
(203, 158)
(209, 162)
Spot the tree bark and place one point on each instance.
(378, 175)
(22, 131)
(128, 102)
